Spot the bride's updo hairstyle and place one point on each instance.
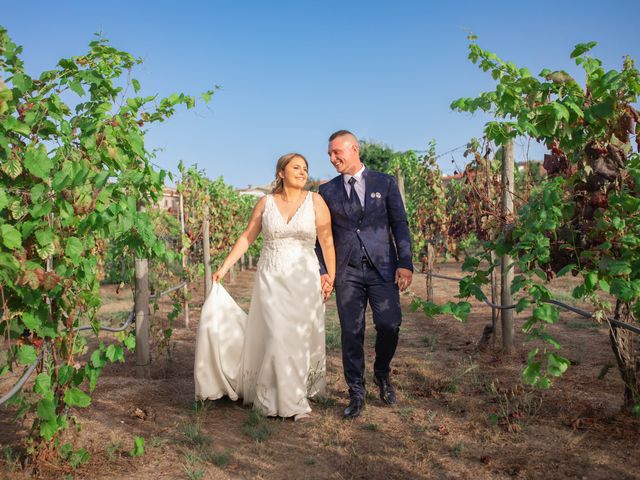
(283, 161)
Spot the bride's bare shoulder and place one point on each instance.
(259, 207)
(320, 206)
(317, 199)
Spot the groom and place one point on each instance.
(373, 263)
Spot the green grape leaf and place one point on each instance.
(74, 249)
(37, 162)
(138, 447)
(582, 48)
(74, 397)
(11, 238)
(46, 409)
(27, 355)
(42, 384)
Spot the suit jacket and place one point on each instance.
(382, 228)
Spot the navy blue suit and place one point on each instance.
(370, 245)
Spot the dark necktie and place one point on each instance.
(353, 197)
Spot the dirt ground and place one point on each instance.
(461, 412)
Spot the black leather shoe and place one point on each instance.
(387, 392)
(355, 407)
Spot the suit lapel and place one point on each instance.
(368, 188)
(340, 194)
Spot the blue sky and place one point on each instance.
(293, 72)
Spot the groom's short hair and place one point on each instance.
(340, 133)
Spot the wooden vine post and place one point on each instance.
(494, 298)
(430, 263)
(400, 180)
(185, 289)
(206, 252)
(232, 273)
(508, 331)
(143, 355)
(494, 277)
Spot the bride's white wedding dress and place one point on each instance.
(273, 358)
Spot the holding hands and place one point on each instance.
(326, 286)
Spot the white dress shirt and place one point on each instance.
(359, 185)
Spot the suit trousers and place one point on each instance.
(362, 284)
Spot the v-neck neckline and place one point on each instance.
(294, 213)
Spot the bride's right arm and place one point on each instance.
(244, 241)
(325, 239)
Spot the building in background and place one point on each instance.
(170, 201)
(257, 191)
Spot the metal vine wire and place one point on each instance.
(31, 368)
(583, 313)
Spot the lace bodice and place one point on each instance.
(286, 243)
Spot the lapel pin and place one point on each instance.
(378, 195)
(373, 195)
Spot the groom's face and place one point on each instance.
(343, 154)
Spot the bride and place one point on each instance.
(274, 358)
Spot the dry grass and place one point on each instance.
(461, 414)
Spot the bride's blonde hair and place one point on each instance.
(283, 161)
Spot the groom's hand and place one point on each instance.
(403, 278)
